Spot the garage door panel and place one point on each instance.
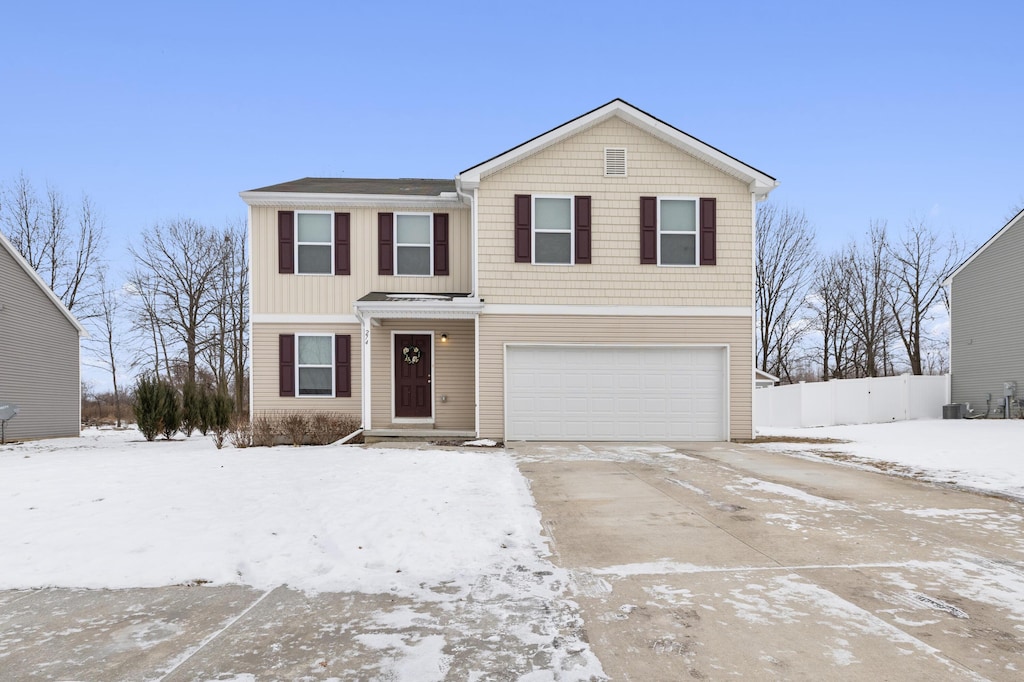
(615, 393)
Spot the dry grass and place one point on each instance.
(797, 439)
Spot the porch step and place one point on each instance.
(383, 435)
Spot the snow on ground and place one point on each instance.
(111, 510)
(986, 455)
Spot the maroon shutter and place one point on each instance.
(385, 243)
(583, 230)
(649, 230)
(524, 252)
(286, 364)
(708, 231)
(342, 366)
(286, 242)
(440, 243)
(342, 244)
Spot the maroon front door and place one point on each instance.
(412, 376)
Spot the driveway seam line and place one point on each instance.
(212, 636)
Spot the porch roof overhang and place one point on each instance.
(418, 306)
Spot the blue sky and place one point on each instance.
(862, 110)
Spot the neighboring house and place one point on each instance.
(986, 315)
(592, 283)
(39, 353)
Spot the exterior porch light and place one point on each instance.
(444, 338)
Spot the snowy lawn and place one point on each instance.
(986, 455)
(111, 510)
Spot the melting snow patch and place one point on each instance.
(786, 491)
(481, 443)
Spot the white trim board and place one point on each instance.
(1013, 221)
(616, 310)
(298, 318)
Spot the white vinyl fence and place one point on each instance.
(852, 401)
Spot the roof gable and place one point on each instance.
(34, 276)
(760, 183)
(1015, 220)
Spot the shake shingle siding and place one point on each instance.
(39, 358)
(987, 321)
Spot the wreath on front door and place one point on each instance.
(411, 354)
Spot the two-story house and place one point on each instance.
(593, 283)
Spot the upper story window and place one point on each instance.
(677, 231)
(314, 244)
(552, 230)
(413, 244)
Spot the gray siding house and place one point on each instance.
(987, 320)
(39, 353)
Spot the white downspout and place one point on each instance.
(474, 266)
(252, 361)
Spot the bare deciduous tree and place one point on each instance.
(107, 338)
(917, 262)
(870, 318)
(830, 302)
(784, 261)
(228, 356)
(180, 263)
(68, 258)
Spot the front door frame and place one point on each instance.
(394, 351)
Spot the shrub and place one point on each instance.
(147, 407)
(169, 409)
(241, 432)
(324, 428)
(193, 408)
(295, 426)
(220, 410)
(264, 433)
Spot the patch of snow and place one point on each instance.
(111, 510)
(786, 491)
(481, 443)
(982, 454)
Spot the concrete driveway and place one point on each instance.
(721, 561)
(687, 562)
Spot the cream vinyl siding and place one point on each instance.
(497, 330)
(453, 373)
(576, 167)
(334, 294)
(39, 358)
(265, 370)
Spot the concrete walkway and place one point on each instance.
(722, 561)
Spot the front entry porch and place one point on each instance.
(419, 362)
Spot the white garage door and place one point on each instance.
(615, 393)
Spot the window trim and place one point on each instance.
(331, 367)
(695, 233)
(429, 244)
(329, 243)
(534, 231)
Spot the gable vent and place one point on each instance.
(615, 162)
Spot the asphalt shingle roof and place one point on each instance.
(402, 186)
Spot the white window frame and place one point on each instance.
(534, 230)
(429, 244)
(298, 243)
(696, 232)
(333, 365)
